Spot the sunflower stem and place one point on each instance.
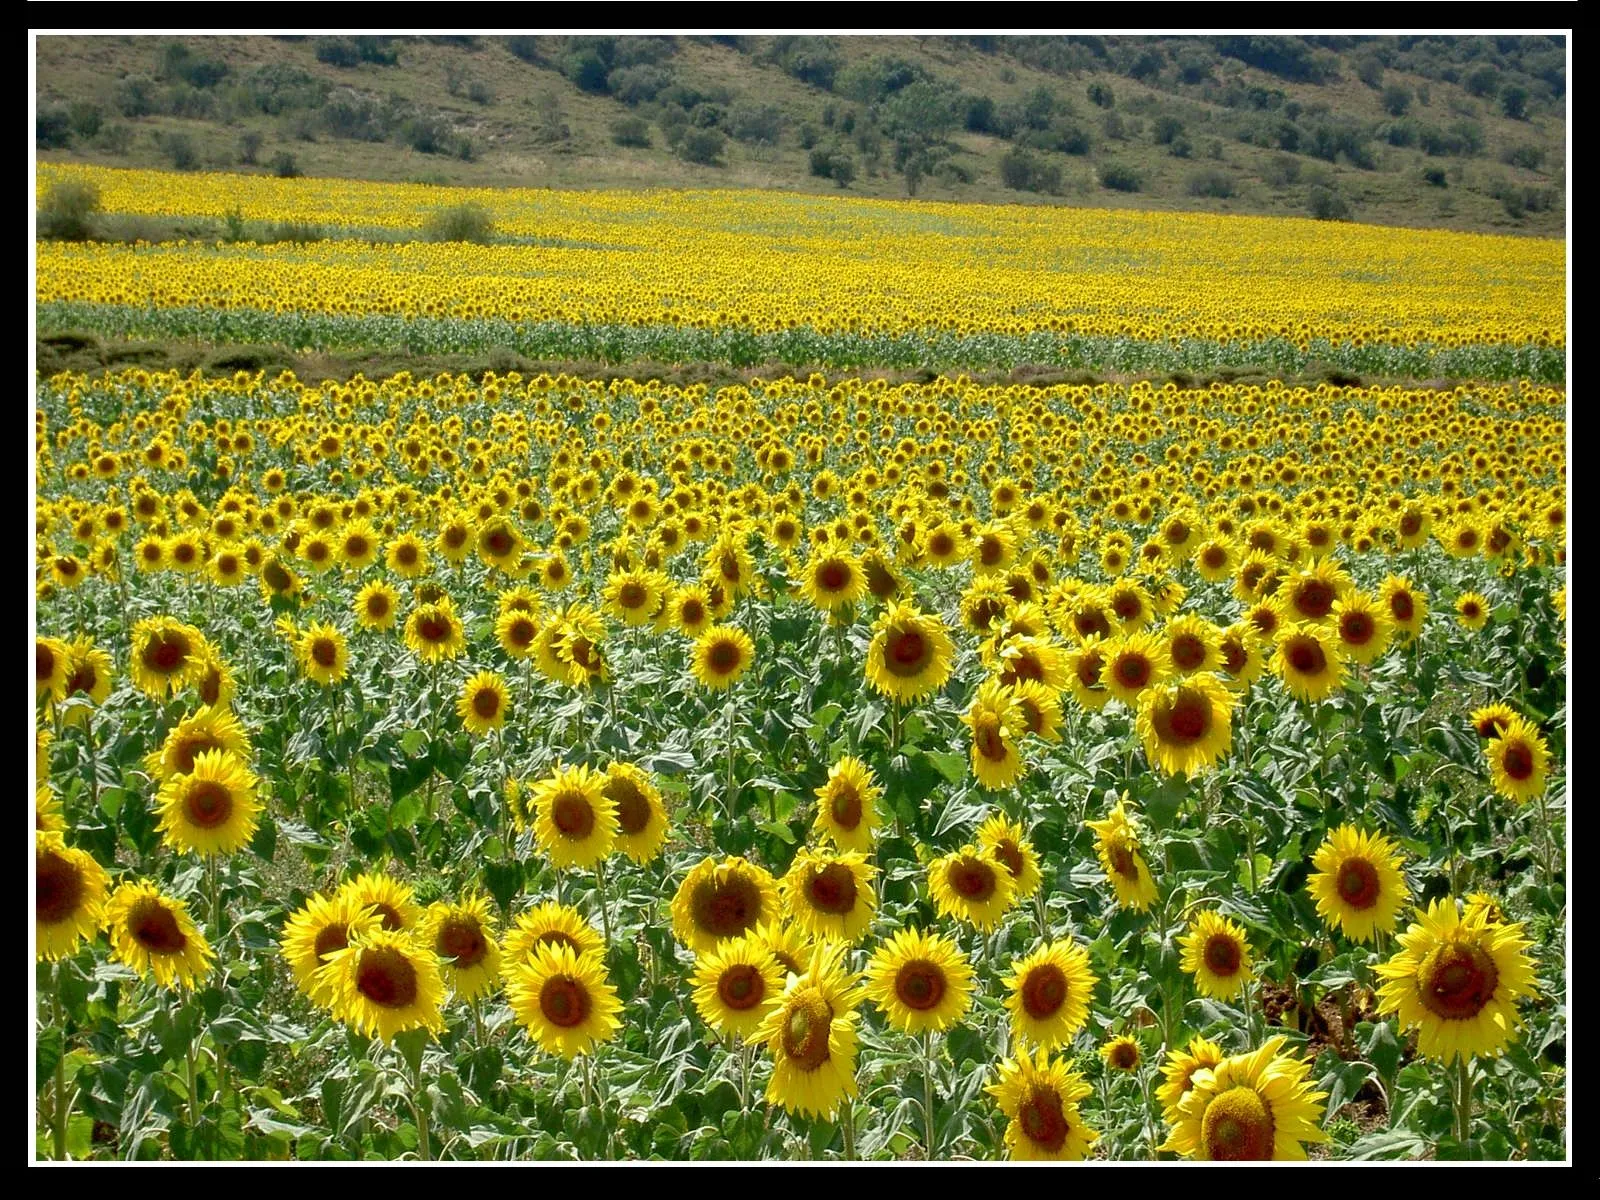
(728, 798)
(746, 1061)
(847, 1124)
(62, 1103)
(928, 1063)
(605, 903)
(1463, 1102)
(214, 892)
(94, 759)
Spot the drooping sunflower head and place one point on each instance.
(847, 805)
(165, 655)
(394, 902)
(721, 900)
(641, 813)
(811, 1036)
(920, 981)
(1008, 841)
(1358, 886)
(208, 729)
(971, 885)
(997, 725)
(1049, 992)
(1121, 1053)
(1179, 1070)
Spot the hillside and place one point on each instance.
(1447, 132)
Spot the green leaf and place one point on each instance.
(265, 843)
(503, 880)
(411, 1044)
(47, 1052)
(778, 830)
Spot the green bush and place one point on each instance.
(284, 165)
(1119, 177)
(1325, 204)
(52, 127)
(68, 211)
(1208, 181)
(463, 223)
(179, 149)
(1529, 157)
(630, 131)
(702, 146)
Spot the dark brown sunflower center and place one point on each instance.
(986, 737)
(572, 815)
(1090, 623)
(1188, 652)
(1516, 760)
(726, 908)
(691, 612)
(1356, 628)
(741, 987)
(723, 657)
(61, 888)
(316, 551)
(1234, 656)
(462, 939)
(330, 938)
(633, 810)
(1132, 670)
(1222, 955)
(941, 545)
(377, 605)
(431, 629)
(356, 547)
(920, 985)
(1314, 599)
(208, 804)
(277, 578)
(632, 595)
(805, 1030)
(554, 937)
(972, 879)
(1471, 609)
(906, 653)
(1215, 558)
(499, 543)
(405, 554)
(1123, 862)
(1042, 1118)
(1306, 657)
(166, 653)
(1044, 991)
(880, 580)
(325, 652)
(990, 550)
(1237, 1127)
(386, 977)
(1458, 981)
(1410, 524)
(1358, 883)
(486, 702)
(728, 565)
(832, 889)
(984, 612)
(1187, 720)
(564, 1001)
(389, 915)
(1124, 1056)
(845, 804)
(154, 927)
(833, 576)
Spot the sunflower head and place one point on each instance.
(212, 810)
(847, 805)
(721, 900)
(721, 654)
(1217, 954)
(971, 885)
(1357, 886)
(910, 654)
(811, 1035)
(1186, 725)
(563, 1000)
(575, 820)
(920, 981)
(641, 813)
(1049, 992)
(1519, 761)
(154, 934)
(384, 983)
(1249, 1107)
(830, 895)
(736, 985)
(462, 937)
(1040, 1097)
(70, 896)
(314, 931)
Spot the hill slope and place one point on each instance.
(1460, 133)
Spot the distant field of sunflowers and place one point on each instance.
(527, 766)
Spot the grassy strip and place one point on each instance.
(795, 348)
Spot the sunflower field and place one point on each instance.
(530, 766)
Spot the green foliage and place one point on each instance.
(1120, 177)
(68, 211)
(630, 131)
(1025, 172)
(702, 147)
(1209, 181)
(461, 223)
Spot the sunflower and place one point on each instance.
(47, 816)
(376, 606)
(689, 610)
(787, 943)
(830, 896)
(1405, 605)
(579, 647)
(518, 632)
(1310, 595)
(920, 981)
(499, 544)
(563, 1000)
(832, 579)
(1025, 657)
(1085, 666)
(1130, 603)
(971, 885)
(165, 655)
(1362, 628)
(994, 549)
(407, 557)
(1519, 761)
(1358, 887)
(383, 983)
(736, 985)
(1008, 842)
(1308, 661)
(462, 936)
(483, 703)
(641, 813)
(811, 1035)
(1190, 643)
(1249, 1107)
(1179, 1071)
(1492, 720)
(315, 930)
(945, 544)
(1472, 610)
(324, 656)
(634, 596)
(721, 900)
(1040, 1098)
(1121, 1053)
(574, 820)
(213, 809)
(1049, 993)
(70, 895)
(721, 654)
(153, 933)
(1242, 660)
(997, 727)
(358, 545)
(88, 677)
(1132, 663)
(278, 580)
(1186, 725)
(984, 603)
(910, 654)
(1040, 707)
(1216, 559)
(394, 901)
(208, 729)
(551, 924)
(847, 805)
(434, 632)
(1216, 953)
